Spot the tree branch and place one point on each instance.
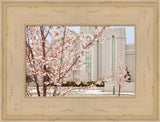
(81, 52)
(30, 50)
(47, 32)
(62, 51)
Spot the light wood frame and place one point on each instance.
(16, 14)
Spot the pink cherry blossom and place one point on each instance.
(53, 57)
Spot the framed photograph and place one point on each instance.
(79, 60)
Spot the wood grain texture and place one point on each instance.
(140, 13)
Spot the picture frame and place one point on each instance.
(16, 14)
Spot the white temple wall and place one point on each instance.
(101, 59)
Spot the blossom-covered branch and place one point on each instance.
(55, 55)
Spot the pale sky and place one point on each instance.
(130, 30)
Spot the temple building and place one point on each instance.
(104, 56)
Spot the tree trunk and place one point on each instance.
(119, 91)
(44, 86)
(55, 91)
(44, 56)
(38, 92)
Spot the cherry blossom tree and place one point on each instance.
(119, 76)
(54, 54)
